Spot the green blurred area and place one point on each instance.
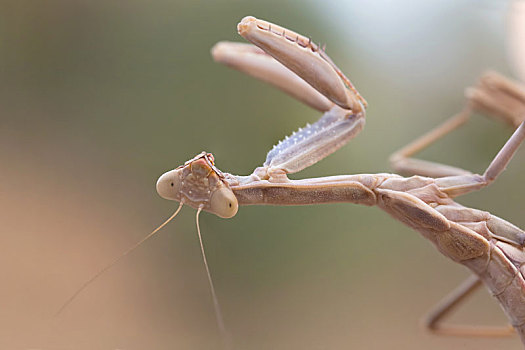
(97, 99)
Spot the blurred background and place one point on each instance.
(98, 98)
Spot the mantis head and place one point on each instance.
(196, 183)
(199, 184)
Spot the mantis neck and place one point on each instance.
(356, 189)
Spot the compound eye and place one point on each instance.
(223, 203)
(168, 185)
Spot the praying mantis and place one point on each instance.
(492, 248)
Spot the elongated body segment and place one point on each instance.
(300, 192)
(492, 248)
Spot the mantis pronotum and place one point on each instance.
(490, 247)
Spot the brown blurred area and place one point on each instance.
(98, 98)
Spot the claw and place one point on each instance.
(305, 59)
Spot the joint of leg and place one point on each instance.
(277, 176)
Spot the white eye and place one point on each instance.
(168, 185)
(223, 203)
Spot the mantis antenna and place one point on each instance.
(117, 259)
(217, 307)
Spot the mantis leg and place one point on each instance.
(499, 98)
(294, 64)
(253, 61)
(402, 162)
(433, 320)
(299, 54)
(494, 95)
(314, 142)
(458, 185)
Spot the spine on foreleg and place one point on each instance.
(316, 141)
